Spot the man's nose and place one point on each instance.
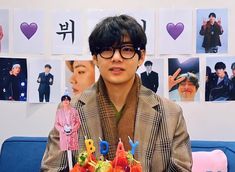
(186, 87)
(117, 56)
(73, 80)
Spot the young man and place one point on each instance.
(12, 83)
(211, 30)
(118, 106)
(45, 80)
(220, 84)
(149, 78)
(232, 78)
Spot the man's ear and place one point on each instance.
(142, 57)
(95, 60)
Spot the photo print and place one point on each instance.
(13, 79)
(28, 31)
(44, 81)
(79, 75)
(183, 79)
(220, 79)
(4, 31)
(175, 31)
(151, 74)
(212, 31)
(67, 31)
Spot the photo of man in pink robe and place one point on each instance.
(67, 123)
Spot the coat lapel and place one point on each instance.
(146, 126)
(90, 117)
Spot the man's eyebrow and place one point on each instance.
(79, 65)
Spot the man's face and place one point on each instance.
(148, 68)
(207, 77)
(212, 19)
(65, 103)
(187, 90)
(118, 70)
(16, 70)
(233, 71)
(47, 69)
(220, 73)
(83, 76)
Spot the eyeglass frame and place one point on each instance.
(136, 50)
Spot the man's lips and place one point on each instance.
(116, 69)
(75, 90)
(187, 91)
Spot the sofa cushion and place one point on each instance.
(215, 160)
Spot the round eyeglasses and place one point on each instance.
(126, 51)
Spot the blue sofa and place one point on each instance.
(24, 154)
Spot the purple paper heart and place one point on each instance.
(175, 30)
(28, 30)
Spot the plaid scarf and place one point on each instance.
(113, 129)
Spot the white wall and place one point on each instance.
(206, 121)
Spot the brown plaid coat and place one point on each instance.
(160, 128)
